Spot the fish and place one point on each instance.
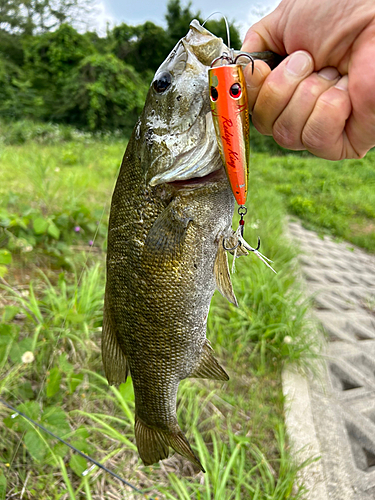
(171, 212)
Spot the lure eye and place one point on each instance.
(162, 83)
(235, 90)
(214, 93)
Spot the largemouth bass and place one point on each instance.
(171, 210)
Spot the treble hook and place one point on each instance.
(244, 54)
(239, 243)
(242, 210)
(231, 249)
(233, 60)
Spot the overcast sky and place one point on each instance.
(243, 12)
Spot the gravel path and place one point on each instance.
(334, 417)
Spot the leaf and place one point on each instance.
(82, 432)
(30, 409)
(35, 445)
(9, 313)
(40, 225)
(3, 271)
(25, 391)
(83, 446)
(54, 231)
(3, 485)
(5, 257)
(55, 420)
(78, 464)
(59, 450)
(53, 382)
(6, 332)
(64, 364)
(20, 348)
(74, 380)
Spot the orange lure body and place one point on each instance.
(228, 99)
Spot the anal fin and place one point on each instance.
(208, 366)
(116, 367)
(153, 444)
(222, 276)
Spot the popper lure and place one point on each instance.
(229, 106)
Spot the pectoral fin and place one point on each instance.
(166, 237)
(222, 276)
(208, 366)
(114, 360)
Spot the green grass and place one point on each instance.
(335, 198)
(54, 310)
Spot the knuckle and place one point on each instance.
(285, 135)
(314, 138)
(325, 124)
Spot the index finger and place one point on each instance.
(254, 42)
(259, 37)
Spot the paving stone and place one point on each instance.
(337, 416)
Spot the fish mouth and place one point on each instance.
(197, 182)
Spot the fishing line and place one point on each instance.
(226, 24)
(86, 457)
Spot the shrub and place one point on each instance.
(103, 93)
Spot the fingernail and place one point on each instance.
(329, 73)
(298, 63)
(342, 84)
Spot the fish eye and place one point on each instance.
(235, 90)
(214, 93)
(162, 82)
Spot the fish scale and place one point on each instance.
(171, 212)
(158, 292)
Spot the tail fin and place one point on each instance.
(153, 444)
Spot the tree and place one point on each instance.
(219, 29)
(178, 19)
(144, 46)
(103, 93)
(10, 15)
(49, 60)
(50, 56)
(39, 16)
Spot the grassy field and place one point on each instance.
(55, 188)
(335, 198)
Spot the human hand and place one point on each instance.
(305, 103)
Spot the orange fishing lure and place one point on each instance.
(229, 106)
